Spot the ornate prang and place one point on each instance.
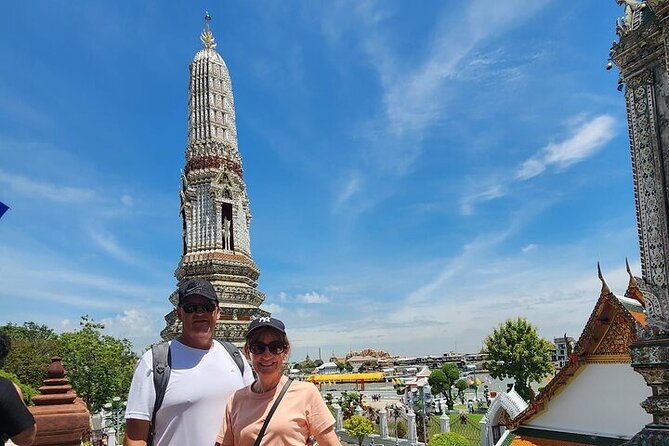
(214, 204)
(641, 56)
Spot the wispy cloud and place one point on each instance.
(44, 190)
(416, 96)
(529, 248)
(489, 193)
(349, 188)
(584, 141)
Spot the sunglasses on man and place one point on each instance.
(274, 347)
(206, 307)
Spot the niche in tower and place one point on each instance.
(228, 228)
(183, 231)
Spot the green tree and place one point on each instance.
(348, 366)
(442, 381)
(348, 401)
(448, 439)
(328, 399)
(27, 391)
(461, 386)
(358, 427)
(32, 347)
(516, 351)
(306, 366)
(99, 366)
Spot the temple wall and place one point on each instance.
(596, 403)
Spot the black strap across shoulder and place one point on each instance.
(162, 367)
(271, 412)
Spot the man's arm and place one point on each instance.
(27, 436)
(136, 432)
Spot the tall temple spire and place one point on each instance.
(215, 211)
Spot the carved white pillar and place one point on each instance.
(111, 437)
(411, 427)
(338, 417)
(383, 423)
(444, 423)
(483, 426)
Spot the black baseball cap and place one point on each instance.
(265, 322)
(197, 287)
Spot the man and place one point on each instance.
(16, 422)
(202, 378)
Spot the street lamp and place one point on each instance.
(396, 413)
(115, 408)
(421, 392)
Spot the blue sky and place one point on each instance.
(417, 174)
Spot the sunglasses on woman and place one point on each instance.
(274, 347)
(206, 307)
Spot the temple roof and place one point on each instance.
(606, 337)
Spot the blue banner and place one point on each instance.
(3, 208)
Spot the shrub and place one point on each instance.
(358, 427)
(401, 429)
(448, 439)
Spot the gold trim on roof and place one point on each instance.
(608, 359)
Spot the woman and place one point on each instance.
(300, 414)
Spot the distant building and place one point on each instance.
(327, 368)
(563, 347)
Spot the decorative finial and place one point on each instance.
(207, 37)
(605, 287)
(633, 291)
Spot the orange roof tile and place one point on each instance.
(522, 440)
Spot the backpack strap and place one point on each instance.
(162, 366)
(235, 354)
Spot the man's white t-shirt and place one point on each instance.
(194, 405)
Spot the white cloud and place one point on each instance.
(312, 298)
(44, 190)
(528, 248)
(585, 141)
(273, 308)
